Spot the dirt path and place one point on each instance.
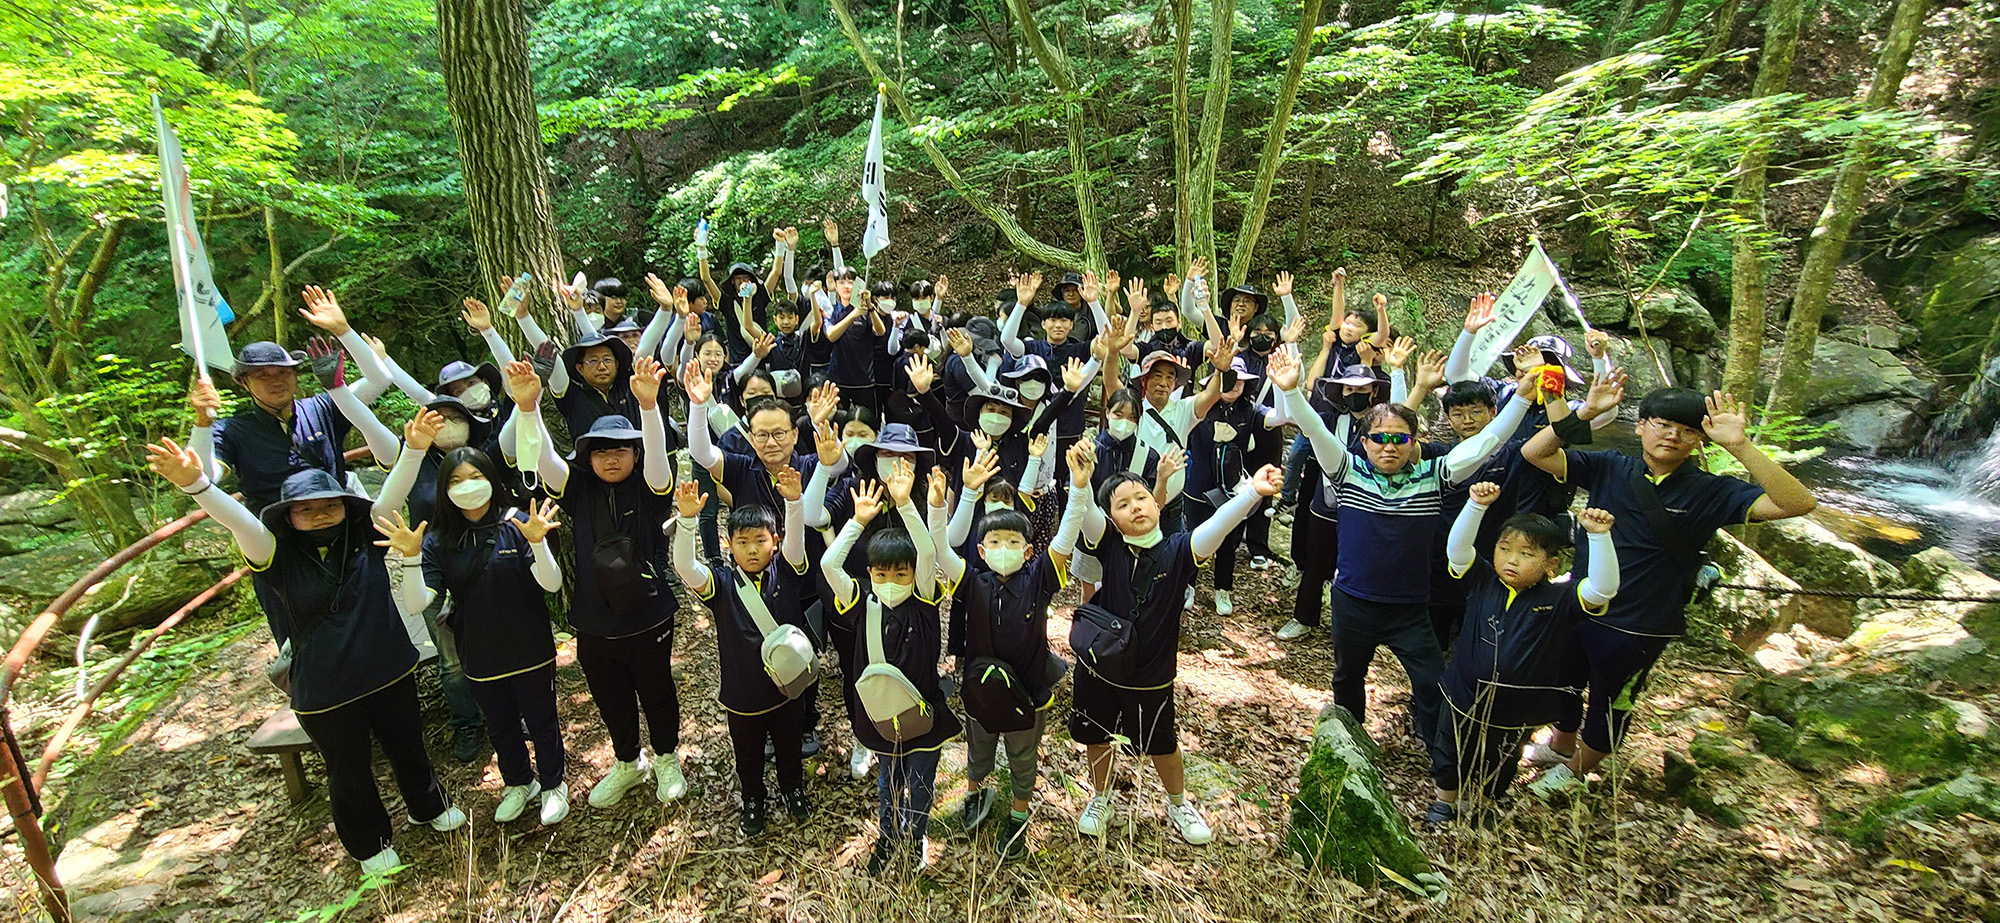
(194, 828)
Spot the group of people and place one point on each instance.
(947, 490)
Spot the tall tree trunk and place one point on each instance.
(1843, 206)
(1208, 148)
(1274, 145)
(277, 282)
(1305, 212)
(1718, 44)
(1610, 46)
(1747, 252)
(483, 49)
(1056, 66)
(1183, 172)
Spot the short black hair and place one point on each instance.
(1120, 398)
(845, 273)
(1005, 492)
(694, 289)
(1685, 406)
(609, 288)
(1463, 393)
(1262, 322)
(764, 402)
(1539, 530)
(915, 339)
(1005, 521)
(885, 289)
(786, 306)
(1112, 483)
(1377, 413)
(921, 288)
(1367, 315)
(891, 547)
(745, 517)
(1060, 310)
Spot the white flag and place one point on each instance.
(875, 189)
(1513, 308)
(202, 308)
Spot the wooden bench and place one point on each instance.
(280, 735)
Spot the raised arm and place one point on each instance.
(1458, 548)
(1208, 536)
(541, 519)
(1600, 577)
(1090, 519)
(204, 402)
(688, 500)
(646, 375)
(1473, 451)
(323, 311)
(1282, 287)
(1784, 497)
(418, 435)
(179, 466)
(1329, 448)
(331, 370)
(949, 563)
(526, 388)
(793, 547)
(700, 448)
(901, 482)
(1544, 450)
(1025, 287)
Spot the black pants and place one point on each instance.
(863, 394)
(1315, 545)
(518, 709)
(1479, 746)
(1447, 601)
(1619, 665)
(1224, 563)
(388, 716)
(785, 725)
(1361, 626)
(1269, 449)
(629, 675)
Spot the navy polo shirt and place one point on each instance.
(1148, 586)
(746, 689)
(1214, 462)
(853, 362)
(1652, 586)
(630, 507)
(1521, 643)
(1506, 468)
(582, 404)
(499, 612)
(748, 481)
(911, 644)
(1058, 355)
(334, 605)
(1015, 610)
(1115, 455)
(264, 450)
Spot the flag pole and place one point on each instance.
(1569, 297)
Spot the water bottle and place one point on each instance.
(701, 237)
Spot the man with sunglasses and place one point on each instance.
(1667, 509)
(1389, 496)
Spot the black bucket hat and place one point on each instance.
(622, 352)
(264, 354)
(1068, 278)
(610, 428)
(985, 335)
(1229, 295)
(314, 484)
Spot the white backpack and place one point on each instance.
(789, 658)
(890, 699)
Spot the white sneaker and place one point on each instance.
(1187, 600)
(381, 863)
(1557, 781)
(1096, 815)
(669, 783)
(450, 820)
(1259, 562)
(1293, 630)
(1187, 818)
(1544, 756)
(555, 804)
(514, 800)
(623, 775)
(860, 761)
(1222, 604)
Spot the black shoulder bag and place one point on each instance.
(621, 572)
(1106, 643)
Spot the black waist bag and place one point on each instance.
(622, 578)
(994, 696)
(1105, 643)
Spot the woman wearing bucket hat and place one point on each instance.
(615, 488)
(325, 586)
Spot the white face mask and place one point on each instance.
(885, 468)
(994, 424)
(1146, 540)
(1121, 429)
(1033, 390)
(854, 443)
(471, 494)
(1005, 561)
(452, 435)
(477, 396)
(892, 594)
(595, 320)
(923, 305)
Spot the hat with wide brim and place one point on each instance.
(479, 424)
(1242, 369)
(1030, 365)
(1069, 278)
(313, 484)
(457, 371)
(1555, 351)
(265, 354)
(608, 431)
(1182, 373)
(572, 356)
(895, 437)
(1229, 295)
(998, 394)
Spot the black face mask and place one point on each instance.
(321, 538)
(1263, 342)
(1167, 338)
(1358, 401)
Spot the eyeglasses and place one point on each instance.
(599, 362)
(763, 438)
(1391, 438)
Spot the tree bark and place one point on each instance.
(1208, 147)
(1183, 171)
(1718, 44)
(483, 50)
(1747, 251)
(1305, 211)
(1056, 65)
(1274, 145)
(1843, 206)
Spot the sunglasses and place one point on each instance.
(1391, 438)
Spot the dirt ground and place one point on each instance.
(180, 823)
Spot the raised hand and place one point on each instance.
(790, 485)
(1332, 331)
(175, 462)
(1481, 312)
(1282, 285)
(329, 362)
(1172, 463)
(1025, 287)
(689, 499)
(695, 382)
(1526, 360)
(1089, 289)
(1430, 370)
(1082, 461)
(398, 536)
(763, 344)
(943, 285)
(1365, 351)
(1399, 352)
(1596, 342)
(1606, 391)
(1039, 446)
(1382, 306)
(541, 520)
(1100, 346)
(922, 373)
(979, 439)
(1171, 285)
(1726, 424)
(826, 442)
(902, 479)
(1483, 493)
(824, 401)
(1135, 295)
(867, 500)
(422, 430)
(792, 237)
(569, 296)
(646, 375)
(524, 384)
(515, 301)
(205, 401)
(1268, 481)
(680, 303)
(322, 310)
(1293, 330)
(662, 293)
(1075, 377)
(832, 230)
(476, 315)
(959, 341)
(1198, 268)
(1595, 521)
(1283, 367)
(980, 468)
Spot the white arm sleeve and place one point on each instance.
(744, 368)
(503, 355)
(839, 262)
(669, 348)
(547, 574)
(700, 448)
(949, 563)
(982, 379)
(920, 536)
(1010, 332)
(653, 437)
(794, 545)
(1399, 387)
(791, 272)
(531, 330)
(257, 542)
(407, 383)
(381, 440)
(1091, 519)
(1600, 579)
(817, 516)
(406, 583)
(1098, 314)
(1466, 457)
(1064, 541)
(1328, 448)
(1458, 365)
(1291, 309)
(1031, 475)
(656, 330)
(402, 477)
(960, 527)
(552, 468)
(365, 361)
(833, 564)
(1208, 536)
(693, 573)
(1458, 550)
(202, 440)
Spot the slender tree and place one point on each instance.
(1843, 206)
(1748, 250)
(1274, 144)
(1208, 144)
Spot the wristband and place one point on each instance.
(205, 485)
(1572, 430)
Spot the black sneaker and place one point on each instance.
(465, 743)
(753, 818)
(885, 852)
(975, 809)
(798, 805)
(809, 745)
(1013, 839)
(1440, 814)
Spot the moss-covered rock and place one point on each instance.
(1678, 316)
(1969, 793)
(1703, 795)
(1833, 721)
(1958, 309)
(1342, 818)
(1814, 556)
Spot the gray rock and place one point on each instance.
(1343, 820)
(1844, 374)
(1812, 555)
(42, 574)
(1647, 363)
(1878, 336)
(38, 507)
(140, 595)
(1746, 616)
(1879, 425)
(1677, 316)
(1602, 309)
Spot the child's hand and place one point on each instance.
(476, 315)
(1268, 481)
(1595, 521)
(1430, 370)
(959, 340)
(661, 293)
(940, 487)
(979, 439)
(400, 539)
(1089, 289)
(689, 499)
(1284, 368)
(981, 469)
(1606, 391)
(763, 344)
(1293, 330)
(1082, 461)
(695, 383)
(1040, 445)
(1399, 352)
(826, 442)
(867, 498)
(922, 373)
(1074, 379)
(541, 520)
(1172, 463)
(790, 485)
(1484, 493)
(901, 481)
(175, 462)
(824, 401)
(646, 374)
(524, 384)
(1025, 286)
(423, 429)
(1282, 285)
(1481, 312)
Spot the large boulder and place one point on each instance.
(1826, 722)
(1744, 615)
(1969, 793)
(140, 595)
(1964, 287)
(1880, 336)
(1815, 557)
(1643, 373)
(45, 572)
(1844, 374)
(36, 507)
(1342, 818)
(1889, 425)
(1677, 316)
(1603, 309)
